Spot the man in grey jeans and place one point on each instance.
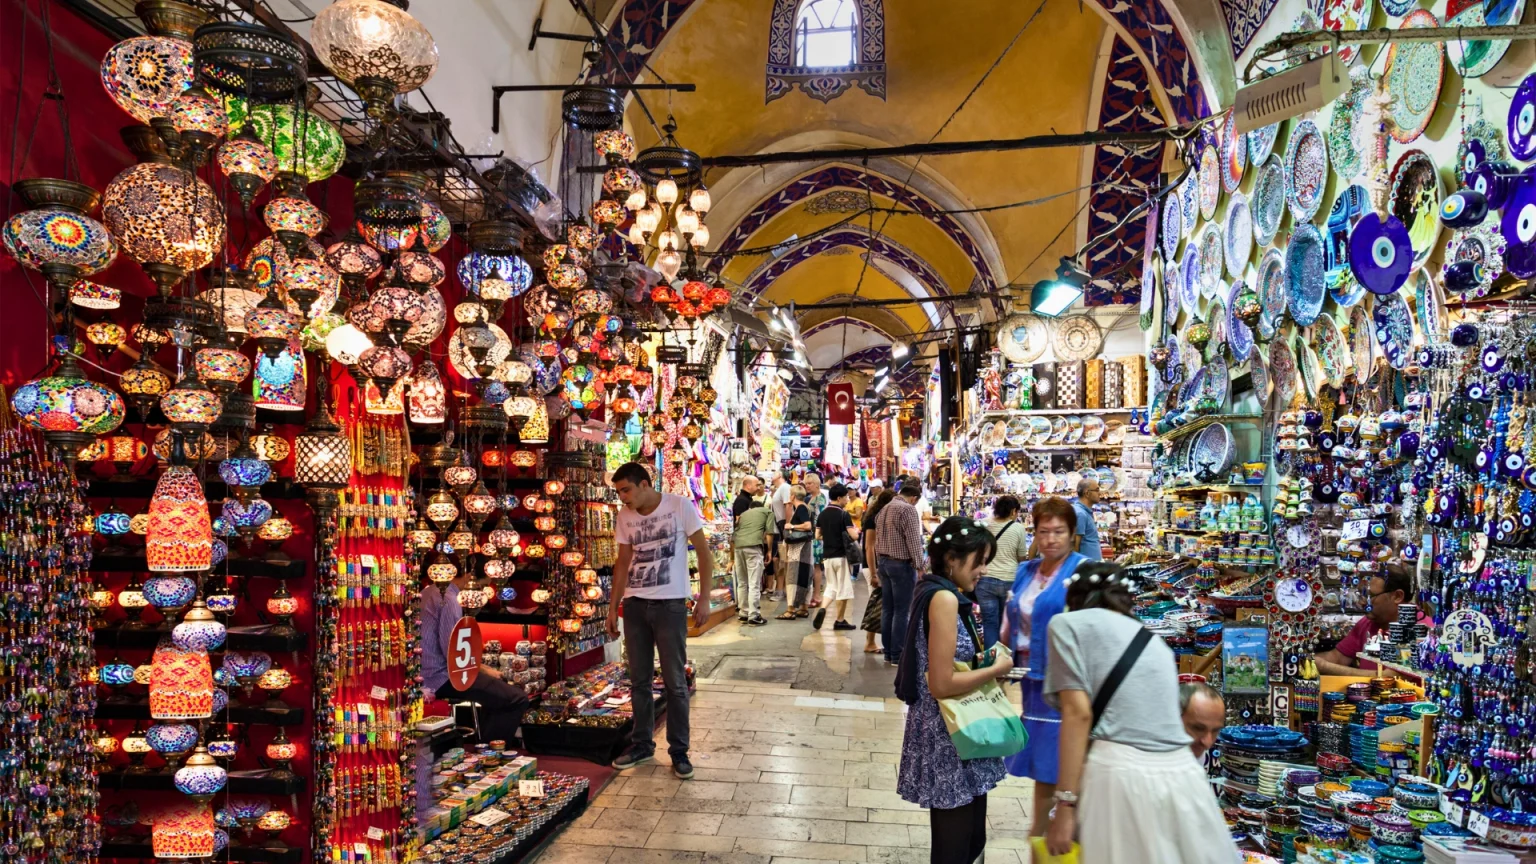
(650, 584)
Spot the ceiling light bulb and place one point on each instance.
(668, 263)
(668, 240)
(648, 219)
(687, 221)
(700, 237)
(635, 201)
(666, 191)
(699, 200)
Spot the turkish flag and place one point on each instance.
(840, 408)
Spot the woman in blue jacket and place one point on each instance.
(1039, 592)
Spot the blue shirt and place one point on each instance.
(1051, 600)
(1088, 530)
(438, 615)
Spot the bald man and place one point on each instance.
(1205, 713)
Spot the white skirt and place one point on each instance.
(1140, 807)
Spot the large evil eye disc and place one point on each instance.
(1380, 253)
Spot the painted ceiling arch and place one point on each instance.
(855, 239)
(830, 177)
(830, 278)
(841, 336)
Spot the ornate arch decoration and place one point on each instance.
(826, 84)
(1151, 28)
(859, 239)
(1126, 104)
(839, 320)
(841, 177)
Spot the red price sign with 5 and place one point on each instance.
(464, 647)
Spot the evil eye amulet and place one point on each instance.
(1326, 442)
(1464, 335)
(1463, 208)
(1464, 277)
(1477, 392)
(1528, 478)
(1496, 181)
(1522, 121)
(1493, 359)
(1410, 552)
(1512, 465)
(1380, 253)
(1519, 227)
(1473, 155)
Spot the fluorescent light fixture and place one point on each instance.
(900, 350)
(882, 370)
(881, 384)
(775, 323)
(1055, 296)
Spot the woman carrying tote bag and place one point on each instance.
(1136, 795)
(931, 773)
(799, 531)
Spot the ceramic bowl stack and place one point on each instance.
(1245, 748)
(1272, 777)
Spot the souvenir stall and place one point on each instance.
(1035, 427)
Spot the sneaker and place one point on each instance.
(632, 757)
(741, 619)
(842, 625)
(757, 620)
(819, 617)
(682, 768)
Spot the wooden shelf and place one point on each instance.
(257, 638)
(1214, 487)
(262, 782)
(248, 714)
(260, 854)
(1047, 412)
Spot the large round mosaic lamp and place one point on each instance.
(145, 74)
(376, 47)
(56, 238)
(68, 408)
(166, 219)
(300, 140)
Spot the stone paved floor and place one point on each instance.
(783, 774)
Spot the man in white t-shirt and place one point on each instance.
(650, 583)
(779, 502)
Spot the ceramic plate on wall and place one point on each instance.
(1474, 58)
(1332, 351)
(1173, 276)
(1282, 371)
(1394, 329)
(1172, 226)
(1239, 234)
(1234, 153)
(1212, 257)
(1347, 15)
(1306, 170)
(1414, 73)
(1271, 287)
(1267, 206)
(1216, 316)
(1189, 198)
(1189, 296)
(1416, 194)
(1210, 181)
(1429, 305)
(1305, 285)
(1343, 124)
(1023, 338)
(1239, 336)
(1077, 338)
(1261, 142)
(1362, 342)
(1309, 367)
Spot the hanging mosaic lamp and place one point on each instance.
(503, 536)
(180, 687)
(144, 383)
(428, 396)
(442, 510)
(231, 298)
(165, 218)
(55, 237)
(201, 777)
(190, 405)
(479, 504)
(271, 447)
(198, 630)
(180, 537)
(90, 295)
(323, 457)
(185, 831)
(68, 408)
(418, 268)
(536, 429)
(300, 139)
(220, 364)
(309, 284)
(384, 364)
(107, 336)
(375, 47)
(246, 517)
(375, 402)
(355, 261)
(281, 382)
(291, 216)
(112, 522)
(248, 163)
(145, 74)
(494, 277)
(199, 120)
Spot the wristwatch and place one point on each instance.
(1064, 797)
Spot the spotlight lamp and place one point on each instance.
(1054, 297)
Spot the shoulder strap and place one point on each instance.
(998, 537)
(1117, 674)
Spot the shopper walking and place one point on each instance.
(835, 530)
(1012, 545)
(753, 543)
(799, 531)
(1087, 532)
(874, 609)
(942, 633)
(1138, 796)
(1039, 593)
(779, 502)
(650, 585)
(899, 558)
(815, 501)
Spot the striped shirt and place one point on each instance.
(899, 532)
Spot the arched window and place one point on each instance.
(824, 47)
(826, 34)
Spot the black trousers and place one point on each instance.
(959, 834)
(502, 706)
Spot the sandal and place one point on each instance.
(872, 650)
(802, 613)
(789, 615)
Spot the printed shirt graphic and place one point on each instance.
(658, 569)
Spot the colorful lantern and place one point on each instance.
(89, 295)
(281, 382)
(428, 396)
(180, 537)
(56, 237)
(180, 687)
(301, 141)
(165, 218)
(184, 832)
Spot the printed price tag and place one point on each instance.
(361, 848)
(375, 833)
(530, 788)
(1477, 823)
(370, 561)
(1356, 529)
(490, 816)
(379, 693)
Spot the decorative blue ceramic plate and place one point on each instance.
(1305, 286)
(1189, 198)
(1212, 255)
(1267, 205)
(1234, 154)
(1261, 142)
(1212, 451)
(1271, 288)
(1306, 170)
(1218, 382)
(1173, 225)
(1426, 299)
(1173, 287)
(1239, 336)
(1239, 235)
(1189, 289)
(1175, 369)
(1394, 329)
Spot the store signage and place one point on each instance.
(530, 788)
(671, 354)
(490, 816)
(464, 647)
(1355, 529)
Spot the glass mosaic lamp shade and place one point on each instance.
(493, 458)
(246, 517)
(112, 522)
(494, 277)
(275, 530)
(271, 324)
(376, 47)
(498, 568)
(199, 118)
(220, 366)
(68, 407)
(190, 405)
(301, 141)
(248, 163)
(180, 686)
(274, 681)
(144, 383)
(479, 504)
(536, 429)
(107, 336)
(201, 777)
(442, 510)
(423, 539)
(198, 630)
(460, 476)
(503, 536)
(293, 213)
(184, 832)
(324, 455)
(281, 383)
(442, 570)
(309, 284)
(56, 237)
(346, 344)
(271, 447)
(91, 295)
(165, 218)
(180, 537)
(351, 257)
(244, 472)
(375, 402)
(428, 396)
(274, 821)
(281, 750)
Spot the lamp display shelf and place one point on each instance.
(278, 488)
(252, 638)
(236, 566)
(258, 715)
(236, 852)
(1196, 425)
(260, 782)
(503, 617)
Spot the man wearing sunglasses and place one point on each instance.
(1389, 588)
